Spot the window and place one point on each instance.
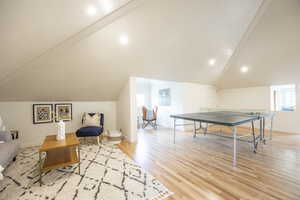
(283, 98)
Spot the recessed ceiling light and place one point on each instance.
(124, 39)
(212, 62)
(91, 10)
(244, 69)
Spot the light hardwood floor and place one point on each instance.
(201, 168)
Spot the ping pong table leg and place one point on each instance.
(206, 128)
(263, 131)
(260, 129)
(271, 128)
(254, 137)
(195, 129)
(234, 146)
(174, 134)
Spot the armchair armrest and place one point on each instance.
(5, 136)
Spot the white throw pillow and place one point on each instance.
(93, 120)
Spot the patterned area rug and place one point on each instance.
(106, 174)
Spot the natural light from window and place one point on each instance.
(140, 99)
(283, 98)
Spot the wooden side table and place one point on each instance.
(59, 153)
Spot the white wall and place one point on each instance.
(126, 110)
(245, 98)
(133, 109)
(143, 87)
(164, 112)
(259, 98)
(123, 111)
(196, 96)
(185, 98)
(18, 115)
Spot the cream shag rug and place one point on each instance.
(106, 174)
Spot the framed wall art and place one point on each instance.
(63, 112)
(42, 113)
(164, 97)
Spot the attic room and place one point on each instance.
(149, 100)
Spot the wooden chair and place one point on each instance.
(153, 120)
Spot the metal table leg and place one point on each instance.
(195, 129)
(40, 167)
(174, 134)
(264, 128)
(254, 137)
(79, 158)
(234, 146)
(205, 130)
(271, 128)
(260, 129)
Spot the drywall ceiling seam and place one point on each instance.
(77, 37)
(264, 5)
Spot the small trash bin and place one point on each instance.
(114, 136)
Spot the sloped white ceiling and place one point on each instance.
(30, 27)
(272, 51)
(170, 40)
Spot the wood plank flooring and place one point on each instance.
(201, 168)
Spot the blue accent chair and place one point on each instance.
(92, 131)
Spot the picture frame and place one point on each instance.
(63, 111)
(164, 97)
(42, 113)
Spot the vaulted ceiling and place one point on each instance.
(70, 50)
(271, 50)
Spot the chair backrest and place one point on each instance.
(91, 114)
(145, 111)
(155, 113)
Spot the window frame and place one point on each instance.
(274, 90)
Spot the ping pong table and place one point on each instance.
(229, 118)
